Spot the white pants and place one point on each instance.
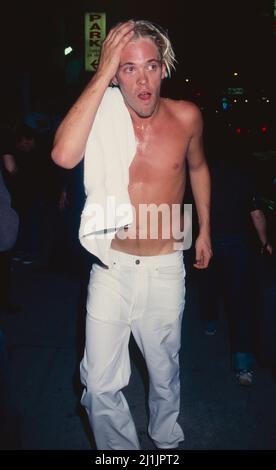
(145, 296)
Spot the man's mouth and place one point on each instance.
(144, 95)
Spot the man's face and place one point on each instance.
(139, 76)
(25, 144)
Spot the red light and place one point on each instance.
(238, 130)
(263, 129)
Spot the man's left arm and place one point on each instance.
(260, 225)
(201, 188)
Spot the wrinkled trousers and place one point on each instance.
(145, 296)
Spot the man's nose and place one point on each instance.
(142, 77)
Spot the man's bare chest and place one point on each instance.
(158, 156)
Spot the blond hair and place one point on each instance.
(160, 38)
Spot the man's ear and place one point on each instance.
(114, 81)
(164, 72)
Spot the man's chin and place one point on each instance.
(144, 113)
(141, 111)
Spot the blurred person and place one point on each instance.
(9, 416)
(24, 171)
(44, 119)
(67, 253)
(8, 233)
(135, 145)
(232, 270)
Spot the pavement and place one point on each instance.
(44, 344)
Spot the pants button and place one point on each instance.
(137, 261)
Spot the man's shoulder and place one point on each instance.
(186, 112)
(183, 109)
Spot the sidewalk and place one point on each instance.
(42, 346)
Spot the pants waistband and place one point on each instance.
(127, 259)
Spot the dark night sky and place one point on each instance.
(211, 38)
(197, 28)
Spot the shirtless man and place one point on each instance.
(144, 288)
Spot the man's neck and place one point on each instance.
(143, 123)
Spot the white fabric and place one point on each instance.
(110, 149)
(145, 296)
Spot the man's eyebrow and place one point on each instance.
(126, 63)
(147, 62)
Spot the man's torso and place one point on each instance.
(157, 184)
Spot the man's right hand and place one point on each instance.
(72, 133)
(267, 249)
(112, 47)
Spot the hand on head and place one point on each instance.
(112, 47)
